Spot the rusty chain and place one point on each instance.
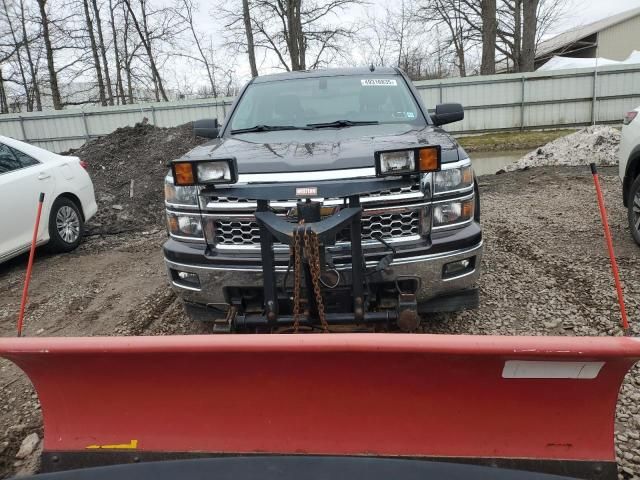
(312, 249)
(297, 272)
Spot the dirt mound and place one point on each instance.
(127, 168)
(597, 143)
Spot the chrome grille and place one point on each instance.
(381, 193)
(385, 225)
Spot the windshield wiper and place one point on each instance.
(341, 124)
(268, 128)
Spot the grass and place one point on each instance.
(501, 141)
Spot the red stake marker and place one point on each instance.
(27, 277)
(612, 255)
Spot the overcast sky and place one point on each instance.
(579, 12)
(587, 11)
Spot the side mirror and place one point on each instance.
(447, 113)
(207, 127)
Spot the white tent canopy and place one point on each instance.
(563, 63)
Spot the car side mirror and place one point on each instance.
(447, 113)
(207, 127)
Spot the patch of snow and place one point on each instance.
(598, 144)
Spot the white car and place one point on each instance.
(69, 200)
(629, 161)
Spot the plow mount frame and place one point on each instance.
(543, 404)
(275, 228)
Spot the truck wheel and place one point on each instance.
(66, 226)
(633, 209)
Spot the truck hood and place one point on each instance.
(322, 149)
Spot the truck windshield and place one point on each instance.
(326, 102)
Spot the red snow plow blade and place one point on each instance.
(535, 403)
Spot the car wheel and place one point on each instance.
(633, 205)
(65, 226)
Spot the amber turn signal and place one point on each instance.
(183, 173)
(467, 208)
(428, 159)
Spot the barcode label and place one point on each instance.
(378, 82)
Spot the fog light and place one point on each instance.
(186, 279)
(457, 268)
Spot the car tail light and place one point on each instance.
(628, 117)
(84, 164)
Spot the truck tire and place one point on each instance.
(66, 226)
(633, 209)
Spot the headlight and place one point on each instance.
(184, 225)
(179, 195)
(452, 179)
(450, 213)
(406, 162)
(397, 162)
(204, 172)
(214, 172)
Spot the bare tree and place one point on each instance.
(103, 51)
(529, 27)
(398, 38)
(4, 106)
(298, 34)
(129, 54)
(120, 95)
(452, 16)
(489, 32)
(521, 24)
(94, 52)
(32, 64)
(145, 38)
(473, 22)
(53, 76)
(248, 28)
(186, 13)
(18, 46)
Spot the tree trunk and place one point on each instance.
(18, 44)
(462, 67)
(94, 51)
(35, 84)
(249, 33)
(489, 30)
(53, 77)
(529, 25)
(4, 107)
(103, 51)
(517, 34)
(146, 42)
(295, 37)
(116, 51)
(127, 59)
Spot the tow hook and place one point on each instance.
(226, 325)
(408, 318)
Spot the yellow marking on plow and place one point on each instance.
(132, 445)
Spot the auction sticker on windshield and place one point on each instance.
(378, 82)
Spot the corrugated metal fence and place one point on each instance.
(565, 98)
(61, 130)
(497, 102)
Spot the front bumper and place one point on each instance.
(427, 264)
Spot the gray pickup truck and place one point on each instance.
(326, 198)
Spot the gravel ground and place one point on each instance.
(545, 272)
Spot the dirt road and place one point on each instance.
(545, 273)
